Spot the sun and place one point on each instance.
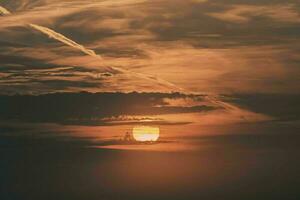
(145, 133)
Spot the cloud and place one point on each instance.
(65, 40)
(112, 109)
(126, 120)
(69, 42)
(181, 44)
(59, 37)
(282, 107)
(245, 13)
(96, 109)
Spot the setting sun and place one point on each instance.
(145, 133)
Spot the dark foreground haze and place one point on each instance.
(223, 167)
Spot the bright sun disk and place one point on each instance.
(145, 133)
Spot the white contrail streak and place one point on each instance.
(216, 99)
(59, 37)
(4, 11)
(63, 39)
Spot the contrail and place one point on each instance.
(57, 36)
(4, 11)
(63, 39)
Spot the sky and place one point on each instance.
(201, 46)
(171, 63)
(219, 80)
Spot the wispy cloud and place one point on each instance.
(214, 47)
(244, 13)
(64, 39)
(59, 37)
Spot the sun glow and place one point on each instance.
(145, 133)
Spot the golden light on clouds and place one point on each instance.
(145, 133)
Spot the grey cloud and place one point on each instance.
(186, 22)
(254, 2)
(101, 122)
(63, 84)
(59, 37)
(283, 107)
(245, 13)
(94, 109)
(67, 41)
(19, 63)
(193, 24)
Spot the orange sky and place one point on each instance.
(205, 47)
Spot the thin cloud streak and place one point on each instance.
(57, 36)
(61, 38)
(65, 40)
